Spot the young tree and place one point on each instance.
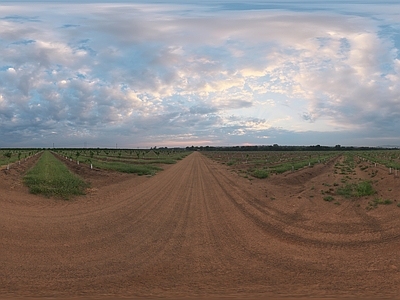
(8, 155)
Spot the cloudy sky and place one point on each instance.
(182, 73)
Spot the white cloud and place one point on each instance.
(163, 70)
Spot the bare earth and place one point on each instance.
(197, 229)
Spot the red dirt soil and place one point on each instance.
(197, 229)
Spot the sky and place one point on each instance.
(138, 74)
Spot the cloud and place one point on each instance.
(132, 72)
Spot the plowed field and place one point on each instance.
(196, 229)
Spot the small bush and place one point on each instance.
(364, 189)
(231, 163)
(329, 198)
(260, 173)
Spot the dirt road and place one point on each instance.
(195, 229)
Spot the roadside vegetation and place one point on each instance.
(139, 169)
(52, 178)
(138, 161)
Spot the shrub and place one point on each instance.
(364, 188)
(230, 163)
(361, 189)
(260, 173)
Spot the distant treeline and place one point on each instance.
(276, 147)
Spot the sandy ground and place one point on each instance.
(198, 229)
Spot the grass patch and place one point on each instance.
(360, 189)
(260, 173)
(364, 188)
(378, 201)
(51, 177)
(329, 198)
(129, 168)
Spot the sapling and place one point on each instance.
(90, 161)
(8, 155)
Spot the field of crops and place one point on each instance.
(261, 164)
(352, 174)
(50, 176)
(142, 162)
(10, 156)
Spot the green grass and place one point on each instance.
(378, 201)
(51, 177)
(12, 156)
(364, 188)
(260, 173)
(329, 198)
(129, 168)
(361, 189)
